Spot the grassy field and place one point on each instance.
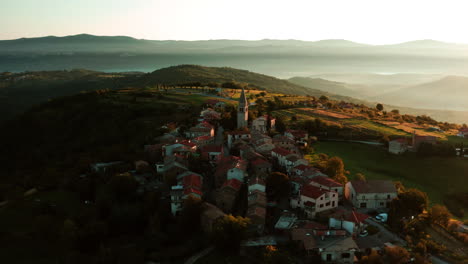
(435, 175)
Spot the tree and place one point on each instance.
(279, 125)
(372, 258)
(379, 107)
(397, 255)
(278, 185)
(360, 177)
(335, 170)
(409, 203)
(440, 215)
(323, 98)
(229, 231)
(190, 215)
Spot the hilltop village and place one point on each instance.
(222, 173)
(253, 189)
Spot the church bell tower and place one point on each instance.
(242, 111)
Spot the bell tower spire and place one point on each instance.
(242, 111)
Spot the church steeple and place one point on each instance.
(242, 111)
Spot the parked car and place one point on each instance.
(363, 233)
(382, 217)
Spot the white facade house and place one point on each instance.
(313, 200)
(372, 194)
(398, 146)
(237, 135)
(349, 220)
(327, 183)
(261, 123)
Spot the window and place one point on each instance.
(363, 197)
(388, 196)
(321, 206)
(382, 204)
(321, 198)
(333, 204)
(327, 204)
(363, 205)
(345, 255)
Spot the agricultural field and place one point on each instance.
(340, 119)
(437, 176)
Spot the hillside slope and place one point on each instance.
(195, 73)
(447, 93)
(326, 85)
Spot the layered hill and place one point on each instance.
(450, 92)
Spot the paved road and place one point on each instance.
(384, 231)
(199, 255)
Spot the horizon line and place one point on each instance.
(252, 40)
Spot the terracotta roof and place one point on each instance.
(205, 124)
(302, 167)
(188, 143)
(349, 215)
(237, 132)
(326, 181)
(200, 129)
(203, 138)
(259, 162)
(256, 210)
(227, 163)
(297, 133)
(281, 151)
(464, 130)
(400, 140)
(189, 191)
(306, 236)
(233, 183)
(374, 186)
(192, 181)
(212, 148)
(312, 191)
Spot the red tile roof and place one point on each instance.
(464, 130)
(259, 162)
(189, 191)
(188, 143)
(326, 181)
(201, 138)
(212, 148)
(256, 211)
(400, 140)
(302, 167)
(281, 151)
(374, 186)
(312, 191)
(192, 181)
(349, 215)
(233, 183)
(297, 133)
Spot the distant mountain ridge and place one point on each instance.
(450, 92)
(120, 44)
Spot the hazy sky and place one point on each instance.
(366, 21)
